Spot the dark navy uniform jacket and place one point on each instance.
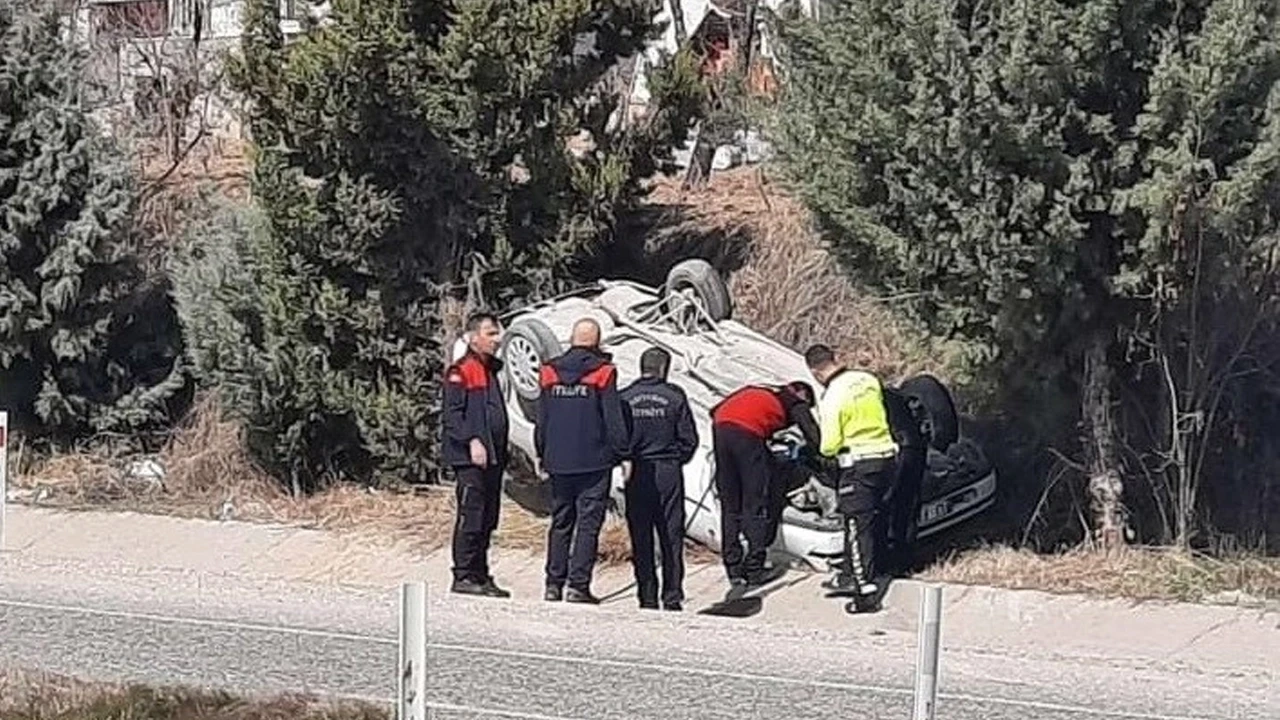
(473, 408)
(660, 421)
(902, 424)
(581, 428)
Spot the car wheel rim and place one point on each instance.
(524, 363)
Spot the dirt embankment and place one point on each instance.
(784, 281)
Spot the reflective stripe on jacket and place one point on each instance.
(852, 415)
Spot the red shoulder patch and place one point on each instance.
(600, 377)
(547, 377)
(470, 373)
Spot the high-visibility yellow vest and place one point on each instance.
(852, 416)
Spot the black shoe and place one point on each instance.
(492, 590)
(737, 588)
(481, 589)
(861, 604)
(583, 597)
(764, 576)
(673, 607)
(648, 605)
(553, 594)
(841, 585)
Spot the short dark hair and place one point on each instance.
(476, 319)
(655, 362)
(818, 356)
(802, 390)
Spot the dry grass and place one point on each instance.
(43, 696)
(791, 287)
(1143, 573)
(208, 474)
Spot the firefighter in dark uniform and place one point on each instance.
(856, 434)
(580, 436)
(475, 446)
(904, 499)
(742, 424)
(663, 440)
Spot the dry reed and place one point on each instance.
(45, 696)
(1145, 573)
(791, 287)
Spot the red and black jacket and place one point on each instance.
(473, 408)
(763, 411)
(581, 428)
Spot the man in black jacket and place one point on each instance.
(663, 440)
(475, 446)
(904, 498)
(580, 437)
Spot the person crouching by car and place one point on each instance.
(475, 446)
(742, 424)
(663, 439)
(580, 436)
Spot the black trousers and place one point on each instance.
(655, 506)
(742, 481)
(904, 507)
(861, 492)
(479, 494)
(578, 504)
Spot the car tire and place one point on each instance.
(699, 276)
(935, 410)
(528, 344)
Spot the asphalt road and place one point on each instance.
(531, 660)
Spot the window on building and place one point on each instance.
(292, 9)
(184, 15)
(129, 19)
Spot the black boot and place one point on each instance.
(584, 597)
(470, 586)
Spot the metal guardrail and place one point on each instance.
(411, 677)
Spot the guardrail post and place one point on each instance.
(411, 678)
(4, 472)
(929, 652)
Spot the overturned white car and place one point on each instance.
(712, 356)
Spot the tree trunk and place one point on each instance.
(1106, 485)
(700, 159)
(677, 21)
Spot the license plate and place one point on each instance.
(941, 508)
(934, 511)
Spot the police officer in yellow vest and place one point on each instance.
(855, 433)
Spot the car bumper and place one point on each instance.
(957, 506)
